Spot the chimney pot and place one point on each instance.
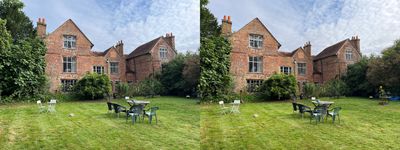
(44, 21)
(229, 18)
(224, 18)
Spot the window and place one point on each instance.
(301, 68)
(256, 41)
(163, 53)
(349, 54)
(69, 41)
(69, 64)
(98, 69)
(255, 64)
(114, 67)
(253, 84)
(286, 70)
(66, 84)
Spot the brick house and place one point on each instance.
(332, 62)
(255, 56)
(69, 57)
(148, 58)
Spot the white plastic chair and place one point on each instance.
(41, 107)
(222, 107)
(126, 97)
(312, 98)
(235, 106)
(52, 105)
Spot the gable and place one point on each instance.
(70, 28)
(257, 27)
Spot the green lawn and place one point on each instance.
(365, 125)
(23, 127)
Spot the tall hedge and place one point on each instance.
(277, 87)
(93, 86)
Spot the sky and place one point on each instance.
(135, 22)
(322, 22)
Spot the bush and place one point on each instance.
(278, 86)
(335, 88)
(122, 89)
(148, 87)
(93, 86)
(312, 90)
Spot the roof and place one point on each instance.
(256, 19)
(145, 48)
(70, 20)
(331, 50)
(289, 54)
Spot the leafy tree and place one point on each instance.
(215, 79)
(150, 87)
(385, 70)
(93, 86)
(278, 86)
(18, 23)
(356, 78)
(208, 22)
(191, 73)
(122, 89)
(309, 90)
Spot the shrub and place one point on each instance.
(122, 89)
(312, 90)
(278, 86)
(335, 88)
(93, 86)
(148, 87)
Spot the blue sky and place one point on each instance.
(133, 21)
(323, 22)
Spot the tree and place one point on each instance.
(22, 61)
(171, 76)
(208, 22)
(93, 86)
(278, 86)
(385, 70)
(335, 88)
(191, 73)
(215, 79)
(18, 23)
(356, 78)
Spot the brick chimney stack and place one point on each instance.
(170, 39)
(41, 28)
(307, 48)
(226, 27)
(120, 47)
(356, 41)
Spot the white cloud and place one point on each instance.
(323, 22)
(134, 22)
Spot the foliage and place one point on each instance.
(180, 76)
(356, 79)
(215, 79)
(278, 86)
(335, 88)
(22, 65)
(385, 70)
(93, 86)
(208, 22)
(18, 24)
(148, 87)
(311, 90)
(122, 89)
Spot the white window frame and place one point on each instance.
(256, 41)
(302, 68)
(252, 84)
(114, 69)
(286, 70)
(163, 53)
(98, 69)
(69, 64)
(349, 54)
(69, 41)
(255, 64)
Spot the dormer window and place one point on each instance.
(163, 53)
(256, 41)
(69, 41)
(349, 54)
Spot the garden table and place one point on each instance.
(138, 102)
(323, 105)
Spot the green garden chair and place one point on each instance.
(135, 111)
(150, 113)
(304, 109)
(316, 115)
(118, 109)
(295, 107)
(334, 113)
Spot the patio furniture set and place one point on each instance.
(233, 109)
(135, 111)
(51, 106)
(320, 112)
